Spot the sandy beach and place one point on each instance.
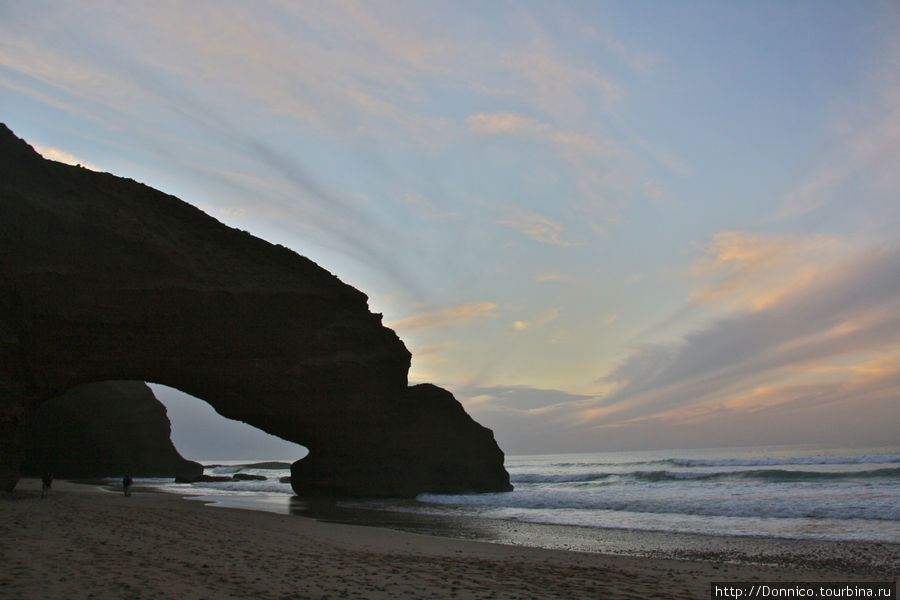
(84, 541)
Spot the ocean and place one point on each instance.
(798, 492)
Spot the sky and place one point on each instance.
(602, 225)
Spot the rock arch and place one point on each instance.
(103, 278)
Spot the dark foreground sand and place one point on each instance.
(86, 542)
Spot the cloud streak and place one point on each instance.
(862, 153)
(514, 124)
(539, 321)
(754, 270)
(538, 227)
(449, 317)
(847, 312)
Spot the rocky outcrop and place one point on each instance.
(203, 479)
(103, 278)
(105, 429)
(426, 418)
(248, 477)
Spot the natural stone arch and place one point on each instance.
(102, 278)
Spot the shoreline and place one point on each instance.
(86, 542)
(851, 555)
(860, 557)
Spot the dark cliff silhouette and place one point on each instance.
(103, 278)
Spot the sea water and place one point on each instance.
(783, 492)
(772, 492)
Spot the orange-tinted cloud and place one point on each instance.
(448, 317)
(536, 226)
(754, 271)
(801, 350)
(507, 123)
(540, 320)
(64, 157)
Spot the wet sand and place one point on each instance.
(87, 542)
(877, 559)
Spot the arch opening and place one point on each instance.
(200, 433)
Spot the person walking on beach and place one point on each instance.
(126, 484)
(46, 482)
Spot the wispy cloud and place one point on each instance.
(536, 226)
(540, 320)
(552, 81)
(429, 209)
(528, 418)
(547, 276)
(861, 154)
(448, 317)
(603, 172)
(508, 123)
(672, 163)
(521, 397)
(432, 349)
(751, 270)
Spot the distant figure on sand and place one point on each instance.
(46, 482)
(126, 484)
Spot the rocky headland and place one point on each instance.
(103, 278)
